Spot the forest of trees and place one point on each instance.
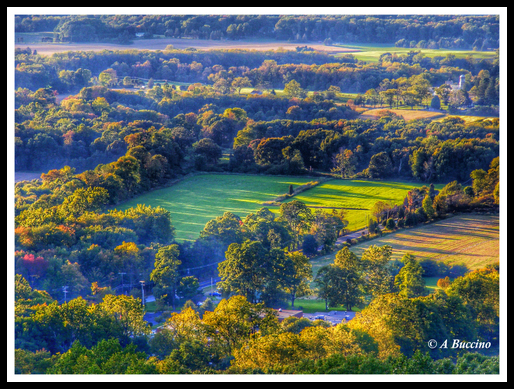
(424, 31)
(79, 261)
(238, 337)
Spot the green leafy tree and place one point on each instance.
(293, 89)
(83, 200)
(297, 215)
(127, 315)
(241, 82)
(428, 207)
(208, 149)
(188, 287)
(165, 273)
(380, 165)
(107, 357)
(409, 280)
(244, 272)
(108, 77)
(325, 227)
(435, 103)
(349, 284)
(479, 291)
(297, 281)
(324, 285)
(234, 321)
(226, 228)
(376, 262)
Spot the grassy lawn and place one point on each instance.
(469, 119)
(313, 305)
(197, 199)
(357, 196)
(371, 52)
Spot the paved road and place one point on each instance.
(351, 235)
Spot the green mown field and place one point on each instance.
(197, 199)
(372, 52)
(357, 196)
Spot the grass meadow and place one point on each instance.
(197, 199)
(356, 196)
(371, 52)
(469, 239)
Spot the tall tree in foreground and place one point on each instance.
(242, 272)
(379, 279)
(297, 282)
(165, 273)
(409, 280)
(350, 284)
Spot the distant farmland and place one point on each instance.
(410, 114)
(469, 239)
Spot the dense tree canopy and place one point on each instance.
(134, 121)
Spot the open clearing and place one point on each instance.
(469, 239)
(371, 52)
(406, 114)
(356, 196)
(412, 114)
(195, 200)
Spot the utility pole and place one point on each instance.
(122, 284)
(143, 291)
(64, 289)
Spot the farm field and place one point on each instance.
(357, 196)
(196, 200)
(44, 48)
(469, 239)
(372, 52)
(469, 119)
(413, 114)
(407, 114)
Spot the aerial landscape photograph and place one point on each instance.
(256, 194)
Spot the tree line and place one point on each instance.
(434, 31)
(263, 69)
(298, 136)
